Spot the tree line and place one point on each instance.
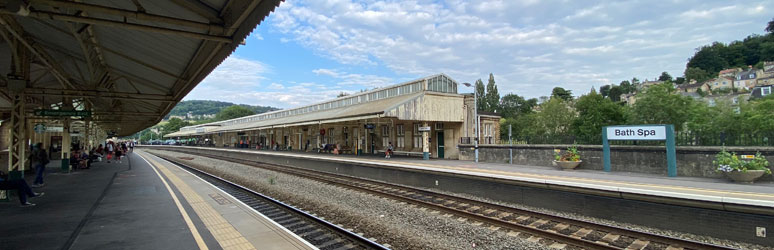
(750, 51)
(585, 116)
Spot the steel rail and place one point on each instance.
(353, 236)
(347, 181)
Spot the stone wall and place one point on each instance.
(691, 161)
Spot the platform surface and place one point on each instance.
(130, 206)
(694, 188)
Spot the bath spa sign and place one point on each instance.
(664, 132)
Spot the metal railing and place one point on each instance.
(682, 138)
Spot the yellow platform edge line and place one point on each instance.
(226, 235)
(194, 232)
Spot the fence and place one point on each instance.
(683, 138)
(484, 140)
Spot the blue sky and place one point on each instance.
(309, 51)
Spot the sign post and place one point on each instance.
(641, 132)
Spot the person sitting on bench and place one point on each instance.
(21, 186)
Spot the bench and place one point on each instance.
(404, 153)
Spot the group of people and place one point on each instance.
(115, 150)
(81, 159)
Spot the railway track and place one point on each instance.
(554, 231)
(316, 231)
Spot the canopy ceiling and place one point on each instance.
(129, 62)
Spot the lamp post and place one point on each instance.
(475, 117)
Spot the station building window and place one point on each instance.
(417, 136)
(385, 135)
(401, 133)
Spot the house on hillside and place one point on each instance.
(721, 83)
(693, 87)
(729, 72)
(746, 79)
(763, 81)
(629, 98)
(761, 91)
(647, 84)
(768, 67)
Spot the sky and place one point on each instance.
(309, 51)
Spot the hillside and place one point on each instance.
(203, 109)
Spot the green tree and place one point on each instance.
(173, 125)
(627, 87)
(513, 105)
(770, 27)
(595, 112)
(615, 93)
(605, 90)
(709, 59)
(555, 118)
(721, 117)
(660, 104)
(232, 112)
(697, 74)
(481, 100)
(561, 93)
(680, 80)
(758, 116)
(665, 77)
(492, 96)
(767, 51)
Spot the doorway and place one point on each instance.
(440, 145)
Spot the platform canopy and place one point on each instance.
(127, 61)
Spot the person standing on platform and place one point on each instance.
(39, 159)
(119, 153)
(388, 152)
(124, 148)
(109, 148)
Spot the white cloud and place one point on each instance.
(530, 46)
(588, 51)
(344, 79)
(709, 13)
(236, 72)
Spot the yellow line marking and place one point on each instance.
(562, 178)
(731, 194)
(223, 232)
(585, 179)
(194, 231)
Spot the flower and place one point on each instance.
(730, 162)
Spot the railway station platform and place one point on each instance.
(142, 203)
(708, 192)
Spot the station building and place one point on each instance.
(362, 123)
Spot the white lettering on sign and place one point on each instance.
(636, 133)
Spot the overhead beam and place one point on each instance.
(111, 23)
(101, 48)
(9, 23)
(138, 15)
(201, 9)
(98, 94)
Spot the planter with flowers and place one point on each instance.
(743, 171)
(569, 160)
